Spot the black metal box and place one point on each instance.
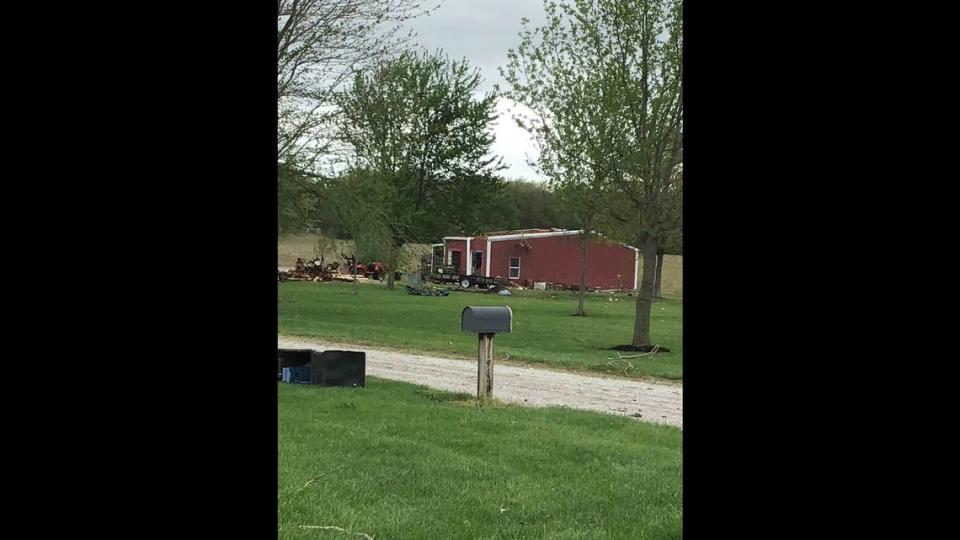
(293, 358)
(339, 368)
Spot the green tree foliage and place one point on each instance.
(604, 81)
(297, 200)
(526, 205)
(362, 208)
(320, 44)
(416, 129)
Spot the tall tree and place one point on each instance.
(363, 208)
(579, 203)
(414, 121)
(320, 44)
(604, 81)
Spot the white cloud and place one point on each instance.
(482, 32)
(513, 143)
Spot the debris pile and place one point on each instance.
(313, 270)
(425, 290)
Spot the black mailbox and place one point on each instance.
(486, 319)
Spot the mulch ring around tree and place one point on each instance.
(642, 348)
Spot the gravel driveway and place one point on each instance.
(647, 401)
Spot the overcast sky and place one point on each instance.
(481, 31)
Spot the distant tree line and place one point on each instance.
(498, 206)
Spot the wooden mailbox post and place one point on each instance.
(486, 321)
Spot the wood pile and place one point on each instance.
(313, 270)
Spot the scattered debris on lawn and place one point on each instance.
(427, 291)
(625, 368)
(481, 289)
(651, 349)
(315, 270)
(622, 362)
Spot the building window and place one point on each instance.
(514, 267)
(455, 258)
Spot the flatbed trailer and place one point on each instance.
(451, 274)
(465, 281)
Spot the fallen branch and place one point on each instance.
(334, 528)
(617, 366)
(652, 351)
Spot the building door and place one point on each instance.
(455, 259)
(477, 263)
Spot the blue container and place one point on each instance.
(297, 375)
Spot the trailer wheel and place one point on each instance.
(465, 283)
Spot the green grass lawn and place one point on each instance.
(544, 330)
(397, 461)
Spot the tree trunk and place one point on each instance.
(583, 276)
(641, 328)
(389, 270)
(659, 278)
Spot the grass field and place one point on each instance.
(397, 461)
(544, 330)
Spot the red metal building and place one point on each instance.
(545, 255)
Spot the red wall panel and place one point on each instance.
(557, 259)
(478, 243)
(456, 245)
